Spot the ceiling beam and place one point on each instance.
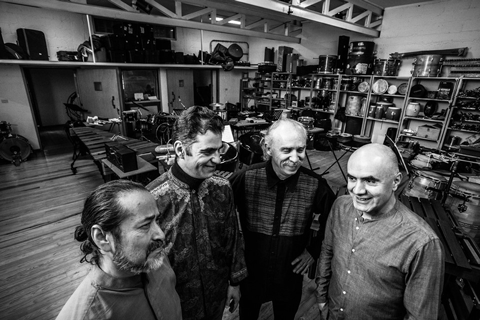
(122, 5)
(312, 16)
(99, 11)
(162, 9)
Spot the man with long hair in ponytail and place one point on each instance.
(131, 277)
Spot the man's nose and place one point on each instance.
(358, 187)
(158, 233)
(216, 159)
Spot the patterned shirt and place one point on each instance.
(203, 240)
(148, 296)
(276, 216)
(389, 267)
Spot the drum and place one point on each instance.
(15, 149)
(326, 64)
(427, 65)
(426, 184)
(464, 203)
(251, 150)
(386, 67)
(353, 105)
(307, 122)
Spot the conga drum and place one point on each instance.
(426, 184)
(464, 203)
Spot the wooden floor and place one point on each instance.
(40, 205)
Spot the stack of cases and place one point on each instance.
(134, 43)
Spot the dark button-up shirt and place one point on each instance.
(203, 239)
(276, 217)
(389, 267)
(148, 296)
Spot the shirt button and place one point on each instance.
(341, 309)
(348, 271)
(353, 250)
(355, 219)
(344, 292)
(357, 228)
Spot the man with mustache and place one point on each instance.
(277, 201)
(131, 277)
(379, 260)
(203, 240)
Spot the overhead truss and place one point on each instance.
(356, 15)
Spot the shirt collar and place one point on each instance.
(104, 280)
(184, 177)
(273, 179)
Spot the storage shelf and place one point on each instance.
(423, 119)
(354, 92)
(417, 137)
(388, 95)
(462, 130)
(382, 120)
(429, 99)
(57, 64)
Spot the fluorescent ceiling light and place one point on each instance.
(235, 22)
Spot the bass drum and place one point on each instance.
(464, 203)
(426, 184)
(15, 149)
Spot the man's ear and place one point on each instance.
(267, 149)
(102, 239)
(397, 180)
(178, 149)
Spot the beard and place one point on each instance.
(154, 258)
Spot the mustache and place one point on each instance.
(155, 245)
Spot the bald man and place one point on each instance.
(379, 260)
(276, 201)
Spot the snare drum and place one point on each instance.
(464, 203)
(426, 184)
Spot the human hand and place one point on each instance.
(233, 297)
(302, 262)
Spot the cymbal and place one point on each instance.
(216, 104)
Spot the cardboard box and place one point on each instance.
(428, 132)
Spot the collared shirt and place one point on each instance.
(389, 267)
(148, 296)
(203, 240)
(276, 217)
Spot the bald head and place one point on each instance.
(377, 155)
(373, 177)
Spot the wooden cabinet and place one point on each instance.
(427, 128)
(464, 120)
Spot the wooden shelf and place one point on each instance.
(65, 64)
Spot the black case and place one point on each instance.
(33, 43)
(121, 156)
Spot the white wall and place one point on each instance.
(430, 26)
(63, 30)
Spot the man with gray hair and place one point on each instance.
(379, 260)
(277, 201)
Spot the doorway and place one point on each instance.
(49, 89)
